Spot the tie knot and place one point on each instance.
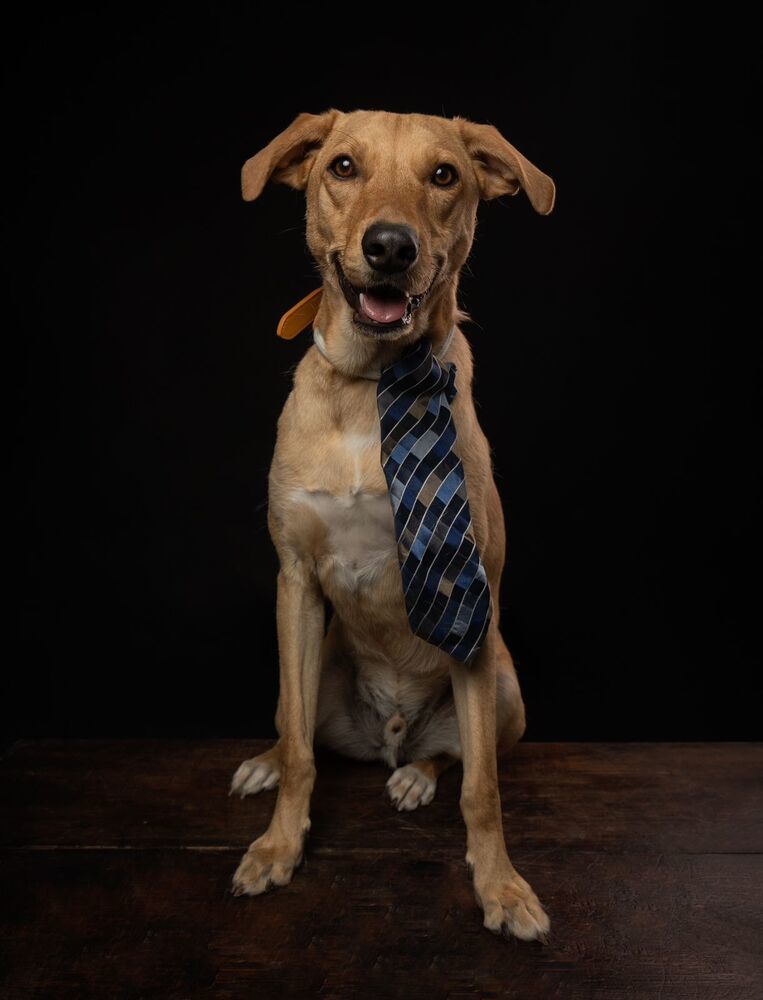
(418, 373)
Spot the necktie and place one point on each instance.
(447, 596)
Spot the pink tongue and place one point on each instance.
(382, 310)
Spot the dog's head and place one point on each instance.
(392, 204)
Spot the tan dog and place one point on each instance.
(391, 212)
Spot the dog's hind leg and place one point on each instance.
(438, 746)
(414, 784)
(428, 748)
(257, 774)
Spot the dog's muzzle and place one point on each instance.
(380, 308)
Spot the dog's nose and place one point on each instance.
(390, 247)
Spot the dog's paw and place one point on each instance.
(409, 788)
(265, 865)
(257, 774)
(511, 907)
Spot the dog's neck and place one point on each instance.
(374, 372)
(363, 357)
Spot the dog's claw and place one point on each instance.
(257, 774)
(267, 865)
(409, 788)
(510, 906)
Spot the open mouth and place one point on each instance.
(380, 308)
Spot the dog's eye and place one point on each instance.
(445, 176)
(343, 167)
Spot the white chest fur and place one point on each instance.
(360, 537)
(360, 534)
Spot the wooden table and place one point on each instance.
(118, 855)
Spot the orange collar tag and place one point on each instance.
(300, 316)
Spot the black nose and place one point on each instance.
(390, 248)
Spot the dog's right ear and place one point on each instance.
(289, 157)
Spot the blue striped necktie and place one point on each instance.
(447, 596)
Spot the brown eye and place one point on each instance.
(343, 167)
(445, 175)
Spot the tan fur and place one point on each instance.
(369, 686)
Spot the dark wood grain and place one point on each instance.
(603, 796)
(117, 859)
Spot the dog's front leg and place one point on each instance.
(272, 858)
(508, 903)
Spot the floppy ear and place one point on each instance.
(289, 157)
(501, 169)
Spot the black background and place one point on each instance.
(615, 377)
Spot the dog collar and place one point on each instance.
(301, 315)
(374, 374)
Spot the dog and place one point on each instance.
(391, 214)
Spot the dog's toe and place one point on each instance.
(519, 919)
(256, 775)
(513, 910)
(408, 788)
(263, 867)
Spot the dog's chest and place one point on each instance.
(355, 510)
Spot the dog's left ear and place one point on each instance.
(501, 169)
(289, 157)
